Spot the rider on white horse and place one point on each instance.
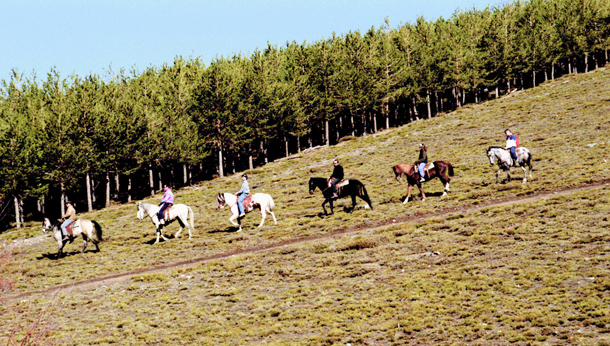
(167, 201)
(243, 193)
(69, 217)
(511, 145)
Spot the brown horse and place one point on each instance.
(441, 169)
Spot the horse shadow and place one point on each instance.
(418, 197)
(228, 229)
(55, 256)
(161, 240)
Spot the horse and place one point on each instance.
(180, 212)
(441, 169)
(258, 200)
(80, 226)
(505, 161)
(345, 188)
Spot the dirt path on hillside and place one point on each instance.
(420, 217)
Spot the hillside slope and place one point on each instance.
(403, 283)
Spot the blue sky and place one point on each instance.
(90, 36)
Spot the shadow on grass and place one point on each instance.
(418, 197)
(229, 229)
(54, 256)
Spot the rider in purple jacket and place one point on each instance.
(168, 199)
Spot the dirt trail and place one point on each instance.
(500, 202)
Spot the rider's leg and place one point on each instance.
(160, 214)
(240, 204)
(421, 170)
(513, 154)
(333, 183)
(63, 228)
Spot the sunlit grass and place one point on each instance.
(527, 273)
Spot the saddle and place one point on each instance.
(248, 204)
(72, 225)
(340, 184)
(427, 168)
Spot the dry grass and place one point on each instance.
(531, 273)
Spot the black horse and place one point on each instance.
(353, 188)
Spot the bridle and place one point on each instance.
(47, 227)
(221, 201)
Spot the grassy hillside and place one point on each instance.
(533, 273)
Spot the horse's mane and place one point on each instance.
(494, 147)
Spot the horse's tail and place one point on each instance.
(98, 230)
(192, 217)
(365, 196)
(450, 167)
(271, 203)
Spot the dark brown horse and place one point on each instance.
(441, 169)
(353, 188)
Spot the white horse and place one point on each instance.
(178, 212)
(80, 226)
(259, 200)
(505, 161)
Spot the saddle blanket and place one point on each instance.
(72, 226)
(249, 204)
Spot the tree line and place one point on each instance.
(122, 136)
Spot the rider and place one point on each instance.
(511, 144)
(243, 193)
(336, 177)
(168, 199)
(69, 216)
(421, 161)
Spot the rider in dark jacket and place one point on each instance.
(336, 177)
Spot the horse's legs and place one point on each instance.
(60, 246)
(263, 219)
(408, 194)
(185, 224)
(325, 212)
(447, 189)
(234, 217)
(353, 202)
(85, 243)
(421, 190)
(524, 174)
(273, 214)
(160, 233)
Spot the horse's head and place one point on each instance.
(221, 200)
(399, 169)
(140, 213)
(312, 186)
(46, 225)
(491, 156)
